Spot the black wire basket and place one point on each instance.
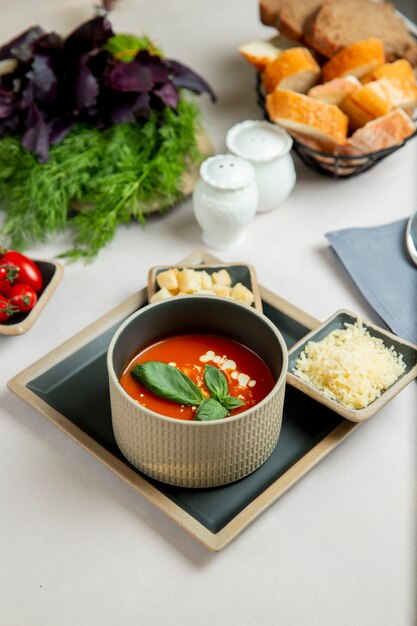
(333, 165)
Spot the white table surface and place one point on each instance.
(79, 547)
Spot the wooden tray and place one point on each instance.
(215, 516)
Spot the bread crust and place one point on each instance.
(338, 24)
(400, 70)
(383, 132)
(296, 67)
(336, 90)
(295, 15)
(366, 104)
(325, 123)
(269, 11)
(356, 59)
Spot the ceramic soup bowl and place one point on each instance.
(197, 453)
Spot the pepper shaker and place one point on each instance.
(225, 200)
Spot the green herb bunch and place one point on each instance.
(172, 384)
(133, 134)
(120, 173)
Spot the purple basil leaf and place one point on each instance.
(90, 35)
(59, 128)
(27, 96)
(97, 61)
(7, 104)
(21, 46)
(36, 136)
(118, 107)
(43, 78)
(158, 70)
(49, 43)
(86, 88)
(185, 78)
(168, 95)
(141, 107)
(133, 76)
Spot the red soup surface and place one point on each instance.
(248, 376)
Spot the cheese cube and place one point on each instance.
(206, 280)
(168, 279)
(222, 290)
(162, 294)
(222, 277)
(242, 293)
(189, 280)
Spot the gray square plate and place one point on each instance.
(338, 321)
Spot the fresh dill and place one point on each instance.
(114, 175)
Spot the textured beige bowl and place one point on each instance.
(197, 454)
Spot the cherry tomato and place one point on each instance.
(6, 309)
(22, 297)
(29, 272)
(8, 273)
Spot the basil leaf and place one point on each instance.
(210, 409)
(231, 402)
(216, 382)
(167, 382)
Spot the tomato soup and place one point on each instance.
(248, 376)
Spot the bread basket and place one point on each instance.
(333, 165)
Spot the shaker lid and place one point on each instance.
(227, 171)
(257, 140)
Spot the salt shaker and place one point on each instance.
(225, 200)
(267, 147)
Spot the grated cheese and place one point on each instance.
(350, 366)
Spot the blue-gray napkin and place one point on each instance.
(378, 263)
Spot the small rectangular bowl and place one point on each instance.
(19, 323)
(337, 321)
(239, 273)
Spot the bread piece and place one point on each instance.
(357, 59)
(400, 70)
(383, 132)
(295, 15)
(269, 10)
(338, 24)
(260, 53)
(294, 69)
(306, 141)
(401, 94)
(336, 90)
(325, 123)
(365, 104)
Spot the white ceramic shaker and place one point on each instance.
(267, 147)
(225, 200)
